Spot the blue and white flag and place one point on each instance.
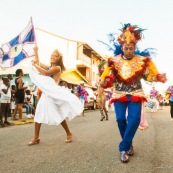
(19, 48)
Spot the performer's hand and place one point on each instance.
(33, 62)
(35, 49)
(109, 105)
(162, 77)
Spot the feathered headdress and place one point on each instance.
(130, 34)
(135, 32)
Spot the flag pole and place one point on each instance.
(34, 31)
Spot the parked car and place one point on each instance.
(91, 99)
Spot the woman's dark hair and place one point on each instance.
(60, 60)
(13, 87)
(18, 71)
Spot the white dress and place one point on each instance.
(56, 103)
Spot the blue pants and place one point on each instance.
(129, 126)
(28, 109)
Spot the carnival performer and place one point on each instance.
(154, 96)
(126, 70)
(161, 101)
(169, 96)
(101, 100)
(56, 103)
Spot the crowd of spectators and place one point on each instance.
(31, 96)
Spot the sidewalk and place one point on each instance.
(27, 121)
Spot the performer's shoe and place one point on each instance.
(33, 142)
(69, 139)
(130, 152)
(102, 118)
(123, 157)
(102, 115)
(106, 113)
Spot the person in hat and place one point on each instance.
(154, 96)
(126, 70)
(82, 94)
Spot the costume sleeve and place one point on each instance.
(152, 72)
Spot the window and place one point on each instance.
(88, 73)
(93, 76)
(93, 62)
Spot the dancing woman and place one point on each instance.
(56, 103)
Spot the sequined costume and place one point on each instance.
(127, 76)
(126, 73)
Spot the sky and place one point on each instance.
(91, 20)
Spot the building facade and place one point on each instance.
(76, 55)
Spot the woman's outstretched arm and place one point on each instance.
(38, 61)
(52, 71)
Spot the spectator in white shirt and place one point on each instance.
(5, 101)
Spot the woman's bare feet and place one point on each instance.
(14, 119)
(34, 141)
(69, 138)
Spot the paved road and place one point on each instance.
(94, 149)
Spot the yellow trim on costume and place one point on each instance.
(152, 71)
(138, 93)
(105, 73)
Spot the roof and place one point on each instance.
(73, 76)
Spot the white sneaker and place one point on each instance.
(28, 116)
